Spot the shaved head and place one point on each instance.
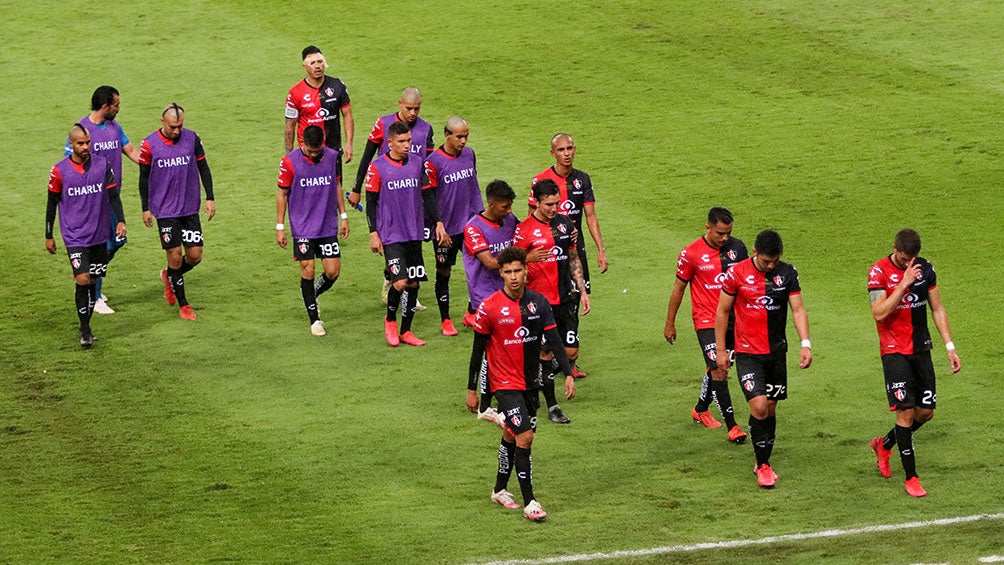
(411, 95)
(456, 123)
(77, 131)
(80, 143)
(173, 111)
(559, 137)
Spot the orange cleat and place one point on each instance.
(737, 435)
(448, 329)
(168, 291)
(913, 487)
(577, 373)
(390, 332)
(705, 418)
(765, 476)
(185, 312)
(468, 319)
(883, 457)
(411, 339)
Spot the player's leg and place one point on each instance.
(777, 390)
(332, 269)
(82, 299)
(753, 381)
(415, 268)
(700, 413)
(446, 257)
(508, 403)
(307, 281)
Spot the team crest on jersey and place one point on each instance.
(748, 385)
(561, 228)
(516, 420)
(166, 237)
(303, 248)
(329, 91)
(75, 262)
(778, 280)
(899, 394)
(732, 254)
(531, 307)
(576, 183)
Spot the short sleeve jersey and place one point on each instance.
(515, 329)
(313, 192)
(551, 277)
(904, 331)
(320, 106)
(455, 179)
(107, 140)
(575, 191)
(421, 135)
(84, 207)
(400, 211)
(761, 305)
(704, 267)
(481, 235)
(174, 173)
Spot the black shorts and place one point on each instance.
(581, 246)
(909, 380)
(566, 317)
(404, 261)
(175, 232)
(306, 249)
(763, 375)
(447, 256)
(92, 259)
(519, 408)
(706, 338)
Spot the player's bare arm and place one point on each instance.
(675, 299)
(289, 133)
(593, 223)
(343, 222)
(801, 319)
(281, 203)
(882, 307)
(940, 316)
(725, 302)
(537, 254)
(575, 265)
(349, 125)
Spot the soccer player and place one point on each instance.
(396, 209)
(82, 189)
(319, 100)
(558, 276)
(409, 106)
(108, 140)
(171, 164)
(310, 186)
(761, 289)
(575, 200)
(900, 288)
(509, 329)
(452, 173)
(702, 265)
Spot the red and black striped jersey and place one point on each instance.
(515, 330)
(551, 277)
(574, 192)
(704, 268)
(905, 329)
(761, 305)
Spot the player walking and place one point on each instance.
(319, 100)
(900, 288)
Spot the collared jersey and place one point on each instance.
(515, 329)
(905, 330)
(761, 305)
(704, 267)
(574, 192)
(551, 277)
(321, 106)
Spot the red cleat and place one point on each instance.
(765, 476)
(468, 319)
(390, 332)
(168, 291)
(913, 487)
(883, 457)
(185, 312)
(411, 339)
(737, 435)
(705, 418)
(576, 373)
(448, 329)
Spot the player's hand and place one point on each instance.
(956, 363)
(347, 153)
(472, 401)
(722, 360)
(601, 260)
(575, 237)
(50, 246)
(442, 238)
(210, 209)
(911, 274)
(569, 387)
(376, 246)
(148, 219)
(343, 228)
(537, 254)
(805, 358)
(670, 333)
(120, 229)
(584, 303)
(280, 238)
(354, 199)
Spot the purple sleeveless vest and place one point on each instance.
(313, 196)
(400, 214)
(481, 281)
(458, 196)
(106, 142)
(419, 136)
(84, 210)
(174, 176)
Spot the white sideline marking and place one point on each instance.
(762, 541)
(992, 559)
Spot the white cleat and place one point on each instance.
(534, 512)
(102, 307)
(491, 415)
(504, 498)
(419, 307)
(317, 328)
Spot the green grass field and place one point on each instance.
(240, 437)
